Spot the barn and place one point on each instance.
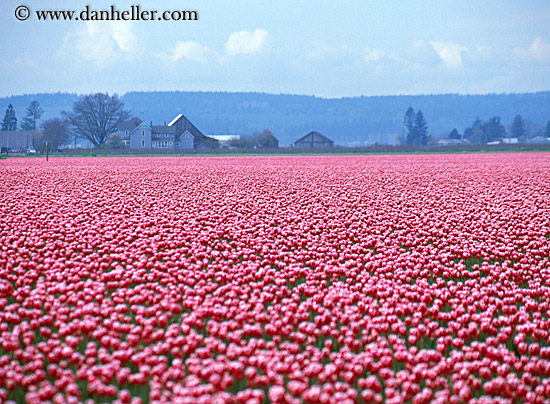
(314, 140)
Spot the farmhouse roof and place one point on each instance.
(181, 121)
(163, 129)
(314, 137)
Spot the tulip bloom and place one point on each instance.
(280, 279)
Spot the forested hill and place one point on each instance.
(348, 121)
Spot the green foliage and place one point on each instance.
(518, 129)
(483, 132)
(417, 128)
(260, 140)
(409, 124)
(454, 134)
(247, 141)
(421, 129)
(114, 141)
(10, 121)
(474, 133)
(494, 129)
(243, 142)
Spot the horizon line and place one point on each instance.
(121, 95)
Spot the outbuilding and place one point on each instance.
(314, 140)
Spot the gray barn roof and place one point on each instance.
(163, 129)
(314, 137)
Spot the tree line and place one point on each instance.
(52, 131)
(493, 130)
(96, 118)
(478, 132)
(259, 140)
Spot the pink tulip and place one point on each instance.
(413, 278)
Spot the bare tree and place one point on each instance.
(266, 140)
(94, 117)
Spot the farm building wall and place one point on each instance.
(140, 137)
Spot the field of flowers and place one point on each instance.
(275, 279)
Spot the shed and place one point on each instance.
(314, 140)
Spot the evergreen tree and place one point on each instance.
(10, 121)
(33, 113)
(409, 124)
(454, 134)
(469, 134)
(518, 128)
(494, 130)
(417, 128)
(421, 129)
(476, 132)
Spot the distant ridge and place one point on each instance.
(348, 121)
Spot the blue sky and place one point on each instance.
(323, 48)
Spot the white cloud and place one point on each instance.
(373, 55)
(538, 51)
(450, 53)
(123, 34)
(482, 49)
(419, 44)
(246, 42)
(101, 42)
(322, 51)
(191, 50)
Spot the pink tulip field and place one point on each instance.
(322, 279)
